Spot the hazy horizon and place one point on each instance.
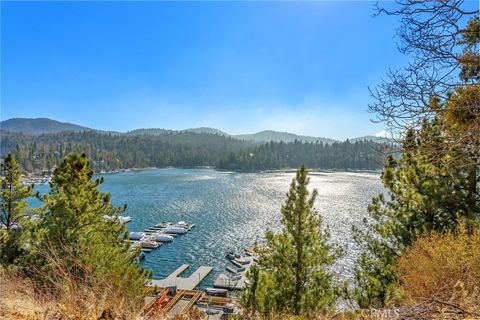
(381, 134)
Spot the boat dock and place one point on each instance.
(182, 302)
(153, 237)
(181, 283)
(237, 281)
(224, 281)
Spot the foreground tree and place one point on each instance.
(424, 196)
(74, 236)
(13, 208)
(292, 274)
(434, 105)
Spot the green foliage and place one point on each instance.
(293, 268)
(74, 231)
(13, 208)
(278, 155)
(470, 60)
(111, 152)
(186, 149)
(430, 189)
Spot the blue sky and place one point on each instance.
(241, 67)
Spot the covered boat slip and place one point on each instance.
(181, 283)
(237, 281)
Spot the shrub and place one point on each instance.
(444, 270)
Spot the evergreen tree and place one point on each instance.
(74, 229)
(435, 185)
(109, 152)
(13, 208)
(293, 268)
(428, 191)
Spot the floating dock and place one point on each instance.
(181, 283)
(236, 281)
(147, 240)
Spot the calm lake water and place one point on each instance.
(232, 210)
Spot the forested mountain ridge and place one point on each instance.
(270, 135)
(185, 149)
(39, 126)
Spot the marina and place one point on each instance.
(178, 295)
(236, 279)
(230, 212)
(189, 283)
(153, 237)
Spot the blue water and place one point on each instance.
(231, 210)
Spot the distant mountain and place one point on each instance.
(151, 131)
(207, 130)
(270, 135)
(158, 131)
(39, 126)
(44, 125)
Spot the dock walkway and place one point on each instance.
(181, 283)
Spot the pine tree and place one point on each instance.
(74, 229)
(430, 189)
(293, 269)
(435, 186)
(13, 209)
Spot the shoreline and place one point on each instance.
(44, 178)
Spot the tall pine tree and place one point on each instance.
(430, 189)
(13, 207)
(74, 230)
(293, 269)
(435, 186)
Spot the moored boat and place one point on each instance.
(175, 230)
(230, 255)
(162, 237)
(242, 260)
(125, 219)
(136, 235)
(216, 292)
(148, 244)
(185, 225)
(231, 269)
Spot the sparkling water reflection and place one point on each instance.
(232, 210)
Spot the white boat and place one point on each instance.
(146, 244)
(175, 230)
(119, 218)
(185, 225)
(125, 219)
(136, 235)
(164, 224)
(162, 237)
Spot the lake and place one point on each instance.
(232, 210)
